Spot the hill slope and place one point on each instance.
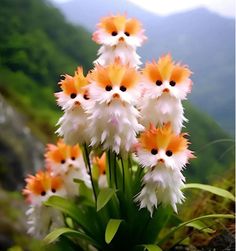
(199, 38)
(37, 48)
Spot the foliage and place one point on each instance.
(114, 222)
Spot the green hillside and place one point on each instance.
(37, 45)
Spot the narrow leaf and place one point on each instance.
(111, 229)
(199, 225)
(226, 216)
(104, 196)
(51, 237)
(150, 247)
(68, 208)
(212, 189)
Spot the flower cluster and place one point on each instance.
(118, 107)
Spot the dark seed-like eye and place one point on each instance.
(108, 88)
(154, 151)
(73, 95)
(123, 88)
(169, 153)
(86, 97)
(172, 83)
(63, 161)
(53, 190)
(73, 158)
(158, 82)
(114, 33)
(127, 34)
(43, 193)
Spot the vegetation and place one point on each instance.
(37, 46)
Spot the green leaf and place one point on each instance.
(226, 216)
(150, 247)
(212, 189)
(51, 237)
(111, 229)
(104, 196)
(200, 226)
(68, 208)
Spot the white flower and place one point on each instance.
(42, 220)
(113, 117)
(119, 37)
(164, 85)
(73, 99)
(40, 188)
(68, 162)
(164, 155)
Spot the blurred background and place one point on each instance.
(41, 39)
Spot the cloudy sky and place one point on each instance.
(167, 7)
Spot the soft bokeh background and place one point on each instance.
(41, 40)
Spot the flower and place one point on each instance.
(119, 37)
(165, 84)
(113, 117)
(100, 162)
(164, 155)
(40, 188)
(68, 162)
(73, 99)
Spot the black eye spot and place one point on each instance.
(158, 82)
(86, 97)
(169, 153)
(73, 158)
(73, 95)
(43, 193)
(172, 83)
(104, 172)
(53, 190)
(127, 34)
(108, 88)
(114, 33)
(63, 161)
(123, 88)
(154, 151)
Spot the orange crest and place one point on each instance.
(74, 84)
(115, 74)
(163, 138)
(41, 183)
(101, 163)
(117, 23)
(60, 152)
(57, 153)
(166, 69)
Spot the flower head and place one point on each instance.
(166, 77)
(74, 92)
(118, 29)
(161, 147)
(115, 82)
(41, 186)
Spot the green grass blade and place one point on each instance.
(53, 236)
(104, 197)
(150, 247)
(212, 189)
(111, 229)
(226, 216)
(199, 225)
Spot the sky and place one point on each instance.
(167, 7)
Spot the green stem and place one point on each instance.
(90, 171)
(123, 173)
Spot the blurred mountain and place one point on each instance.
(199, 38)
(36, 48)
